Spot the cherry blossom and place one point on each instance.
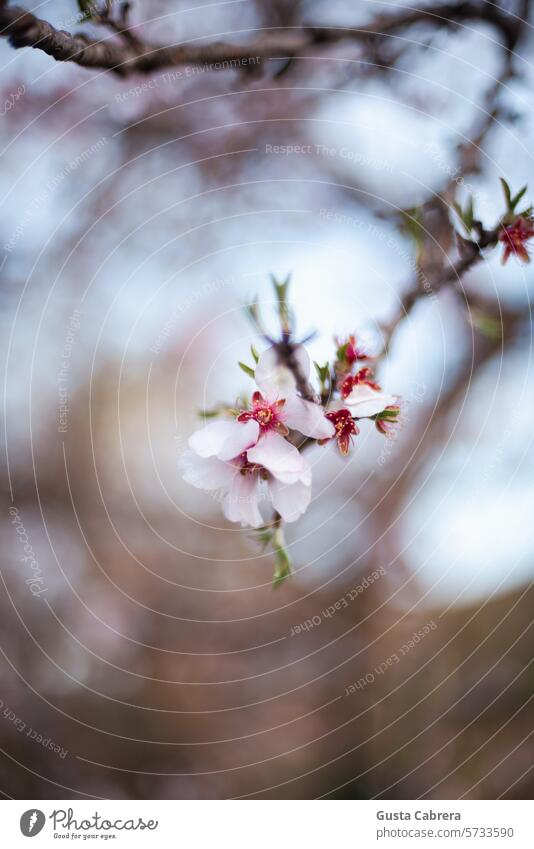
(388, 420)
(237, 456)
(277, 384)
(514, 237)
(345, 427)
(348, 353)
(275, 409)
(245, 481)
(252, 456)
(363, 396)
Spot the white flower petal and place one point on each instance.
(306, 476)
(241, 503)
(242, 436)
(290, 500)
(306, 417)
(364, 401)
(208, 441)
(207, 473)
(276, 380)
(225, 440)
(279, 457)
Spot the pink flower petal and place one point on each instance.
(241, 502)
(207, 473)
(276, 380)
(364, 401)
(290, 500)
(225, 440)
(308, 418)
(279, 457)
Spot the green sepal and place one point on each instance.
(247, 369)
(387, 415)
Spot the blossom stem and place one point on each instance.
(286, 353)
(282, 561)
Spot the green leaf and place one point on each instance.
(88, 9)
(511, 201)
(412, 224)
(255, 355)
(341, 352)
(469, 213)
(390, 415)
(247, 369)
(516, 198)
(323, 372)
(219, 410)
(208, 414)
(242, 402)
(507, 193)
(466, 215)
(281, 290)
(253, 312)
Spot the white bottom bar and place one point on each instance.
(268, 824)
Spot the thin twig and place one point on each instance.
(471, 253)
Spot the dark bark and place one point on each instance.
(126, 55)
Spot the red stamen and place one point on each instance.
(345, 428)
(352, 380)
(267, 415)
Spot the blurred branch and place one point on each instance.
(132, 54)
(120, 26)
(432, 274)
(471, 252)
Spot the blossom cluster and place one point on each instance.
(514, 229)
(256, 451)
(260, 449)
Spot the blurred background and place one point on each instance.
(144, 653)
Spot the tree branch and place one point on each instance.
(286, 353)
(24, 29)
(471, 253)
